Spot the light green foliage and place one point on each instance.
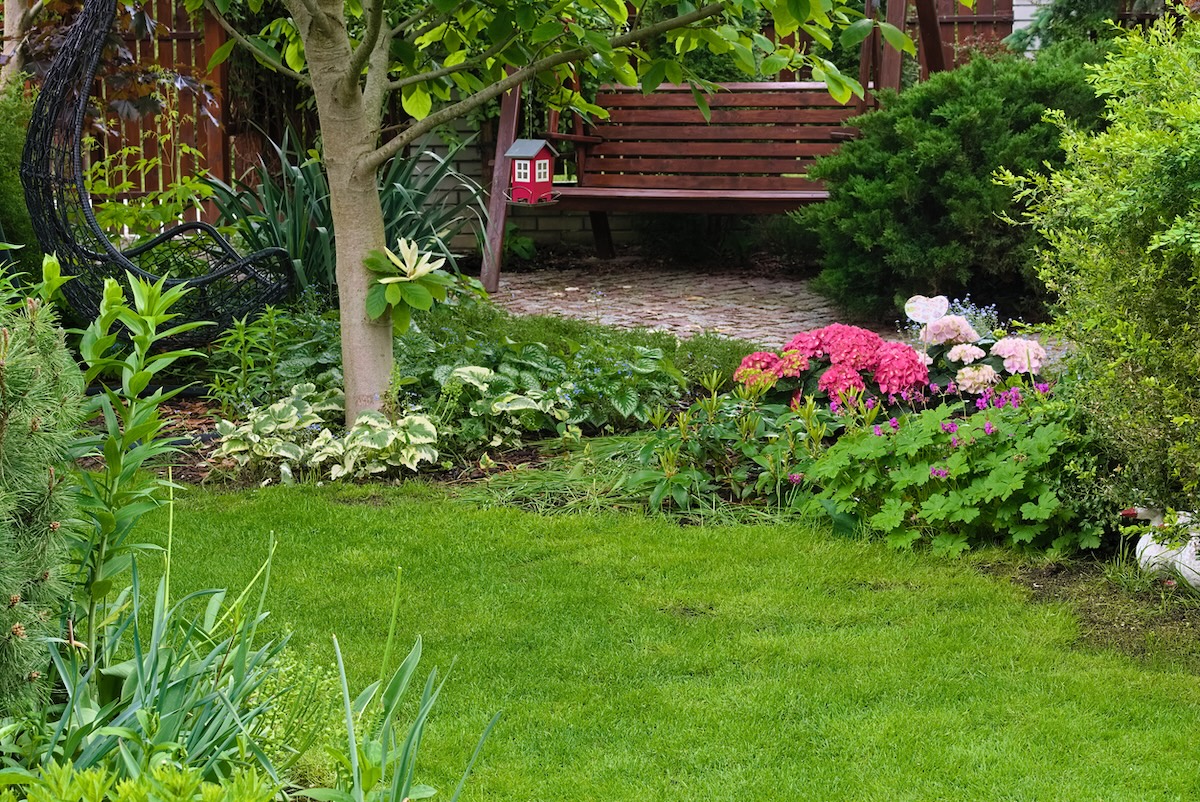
(292, 434)
(404, 280)
(124, 351)
(913, 207)
(163, 783)
(260, 359)
(1123, 257)
(14, 217)
(142, 188)
(731, 445)
(378, 762)
(41, 407)
(1014, 472)
(638, 660)
(487, 389)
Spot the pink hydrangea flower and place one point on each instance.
(965, 353)
(753, 365)
(1020, 355)
(976, 378)
(792, 363)
(839, 342)
(851, 346)
(899, 367)
(948, 329)
(839, 379)
(808, 343)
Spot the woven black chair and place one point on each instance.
(225, 285)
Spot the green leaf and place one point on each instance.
(416, 101)
(800, 9)
(897, 38)
(949, 545)
(220, 55)
(415, 295)
(377, 303)
(393, 294)
(702, 103)
(853, 34)
(891, 516)
(545, 32)
(773, 63)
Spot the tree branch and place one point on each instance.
(378, 157)
(362, 54)
(404, 24)
(30, 14)
(442, 72)
(272, 62)
(319, 17)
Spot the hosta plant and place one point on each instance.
(292, 435)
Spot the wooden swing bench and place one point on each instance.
(656, 153)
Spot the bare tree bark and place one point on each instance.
(18, 17)
(349, 131)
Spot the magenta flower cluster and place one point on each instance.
(854, 357)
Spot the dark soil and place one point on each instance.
(1158, 622)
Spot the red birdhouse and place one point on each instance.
(532, 172)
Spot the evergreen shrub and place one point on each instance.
(41, 392)
(1122, 223)
(913, 207)
(14, 217)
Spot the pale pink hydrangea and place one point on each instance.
(1019, 354)
(976, 378)
(965, 353)
(757, 363)
(899, 368)
(948, 329)
(839, 379)
(792, 363)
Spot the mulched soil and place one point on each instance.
(1157, 624)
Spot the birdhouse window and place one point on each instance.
(543, 170)
(521, 171)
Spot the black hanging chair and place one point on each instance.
(225, 285)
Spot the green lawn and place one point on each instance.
(639, 660)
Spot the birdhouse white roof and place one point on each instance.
(528, 148)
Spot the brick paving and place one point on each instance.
(762, 304)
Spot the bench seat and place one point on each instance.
(698, 201)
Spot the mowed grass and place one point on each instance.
(638, 660)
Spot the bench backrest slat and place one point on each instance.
(761, 136)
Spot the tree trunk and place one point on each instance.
(14, 32)
(348, 133)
